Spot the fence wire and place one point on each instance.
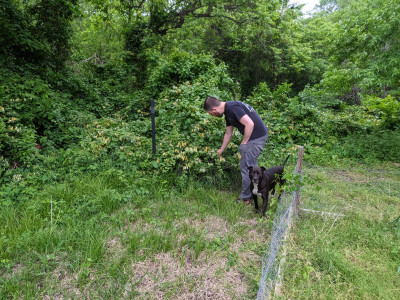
(270, 260)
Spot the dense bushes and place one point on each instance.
(187, 136)
(48, 134)
(27, 108)
(290, 121)
(378, 146)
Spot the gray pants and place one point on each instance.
(249, 154)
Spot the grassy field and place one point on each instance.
(354, 256)
(115, 236)
(77, 241)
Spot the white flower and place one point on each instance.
(17, 177)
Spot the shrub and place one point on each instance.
(377, 146)
(320, 98)
(290, 122)
(386, 109)
(182, 67)
(17, 141)
(187, 137)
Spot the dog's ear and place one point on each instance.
(250, 169)
(264, 169)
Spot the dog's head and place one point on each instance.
(256, 173)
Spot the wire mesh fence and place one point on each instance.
(271, 260)
(274, 256)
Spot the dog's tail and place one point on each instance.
(284, 163)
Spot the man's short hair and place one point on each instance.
(211, 102)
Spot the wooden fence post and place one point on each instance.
(298, 171)
(153, 127)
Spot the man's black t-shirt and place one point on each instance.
(235, 110)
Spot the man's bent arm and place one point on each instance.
(227, 138)
(248, 128)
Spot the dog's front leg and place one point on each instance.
(255, 201)
(265, 204)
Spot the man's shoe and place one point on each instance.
(246, 201)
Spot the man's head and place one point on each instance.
(214, 107)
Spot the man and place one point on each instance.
(255, 133)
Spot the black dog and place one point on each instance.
(263, 181)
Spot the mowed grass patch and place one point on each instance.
(352, 257)
(105, 238)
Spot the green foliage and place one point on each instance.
(97, 41)
(112, 140)
(137, 40)
(15, 37)
(364, 46)
(188, 136)
(380, 145)
(36, 33)
(18, 144)
(386, 109)
(320, 98)
(290, 121)
(30, 99)
(52, 27)
(32, 112)
(75, 141)
(182, 67)
(259, 42)
(21, 107)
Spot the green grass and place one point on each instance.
(352, 257)
(116, 237)
(122, 236)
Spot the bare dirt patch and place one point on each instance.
(114, 247)
(179, 275)
(165, 276)
(212, 226)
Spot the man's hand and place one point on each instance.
(227, 138)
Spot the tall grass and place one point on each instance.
(352, 257)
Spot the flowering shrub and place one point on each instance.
(116, 140)
(17, 141)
